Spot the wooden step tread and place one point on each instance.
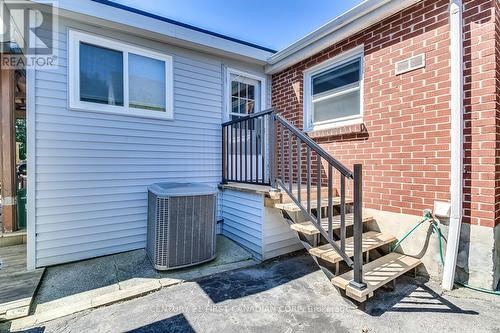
(371, 240)
(292, 207)
(308, 228)
(303, 190)
(376, 274)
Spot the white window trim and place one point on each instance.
(355, 53)
(234, 71)
(75, 37)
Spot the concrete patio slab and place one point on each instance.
(74, 287)
(289, 294)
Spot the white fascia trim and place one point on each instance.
(94, 13)
(358, 18)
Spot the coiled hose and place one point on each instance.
(437, 230)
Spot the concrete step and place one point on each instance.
(308, 228)
(376, 274)
(371, 240)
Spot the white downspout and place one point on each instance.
(457, 107)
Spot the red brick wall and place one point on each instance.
(405, 148)
(480, 103)
(497, 168)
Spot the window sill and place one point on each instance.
(126, 113)
(337, 130)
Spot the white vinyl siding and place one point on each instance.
(92, 170)
(243, 218)
(278, 238)
(261, 230)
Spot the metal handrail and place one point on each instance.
(314, 146)
(245, 149)
(317, 224)
(234, 150)
(250, 116)
(295, 168)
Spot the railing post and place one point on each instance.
(224, 154)
(342, 213)
(357, 282)
(272, 151)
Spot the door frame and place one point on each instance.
(227, 95)
(263, 96)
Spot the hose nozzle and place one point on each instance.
(429, 215)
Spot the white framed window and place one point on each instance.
(110, 76)
(333, 92)
(245, 93)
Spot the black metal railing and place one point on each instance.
(245, 148)
(284, 170)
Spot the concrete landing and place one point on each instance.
(17, 285)
(75, 287)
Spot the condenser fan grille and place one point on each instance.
(181, 230)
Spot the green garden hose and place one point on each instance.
(407, 234)
(437, 230)
(492, 292)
